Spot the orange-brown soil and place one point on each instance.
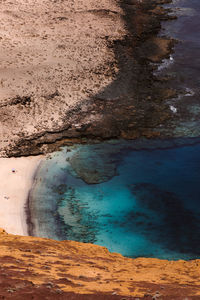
(36, 268)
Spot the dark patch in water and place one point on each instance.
(171, 224)
(85, 228)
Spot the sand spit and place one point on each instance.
(79, 69)
(16, 177)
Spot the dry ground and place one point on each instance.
(71, 69)
(44, 269)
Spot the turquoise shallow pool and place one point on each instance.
(145, 203)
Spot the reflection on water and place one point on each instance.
(149, 207)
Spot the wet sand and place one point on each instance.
(16, 176)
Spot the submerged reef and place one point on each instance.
(92, 167)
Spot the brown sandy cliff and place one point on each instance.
(36, 268)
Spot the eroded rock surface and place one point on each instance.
(79, 69)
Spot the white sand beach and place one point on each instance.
(16, 177)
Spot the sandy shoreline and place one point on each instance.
(14, 189)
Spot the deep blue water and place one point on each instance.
(184, 66)
(150, 207)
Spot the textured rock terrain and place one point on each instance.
(36, 268)
(76, 69)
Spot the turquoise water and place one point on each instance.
(149, 205)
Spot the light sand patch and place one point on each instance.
(16, 177)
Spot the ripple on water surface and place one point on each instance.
(138, 203)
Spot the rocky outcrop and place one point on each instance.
(76, 70)
(36, 268)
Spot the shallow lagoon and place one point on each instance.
(147, 205)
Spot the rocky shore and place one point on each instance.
(76, 71)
